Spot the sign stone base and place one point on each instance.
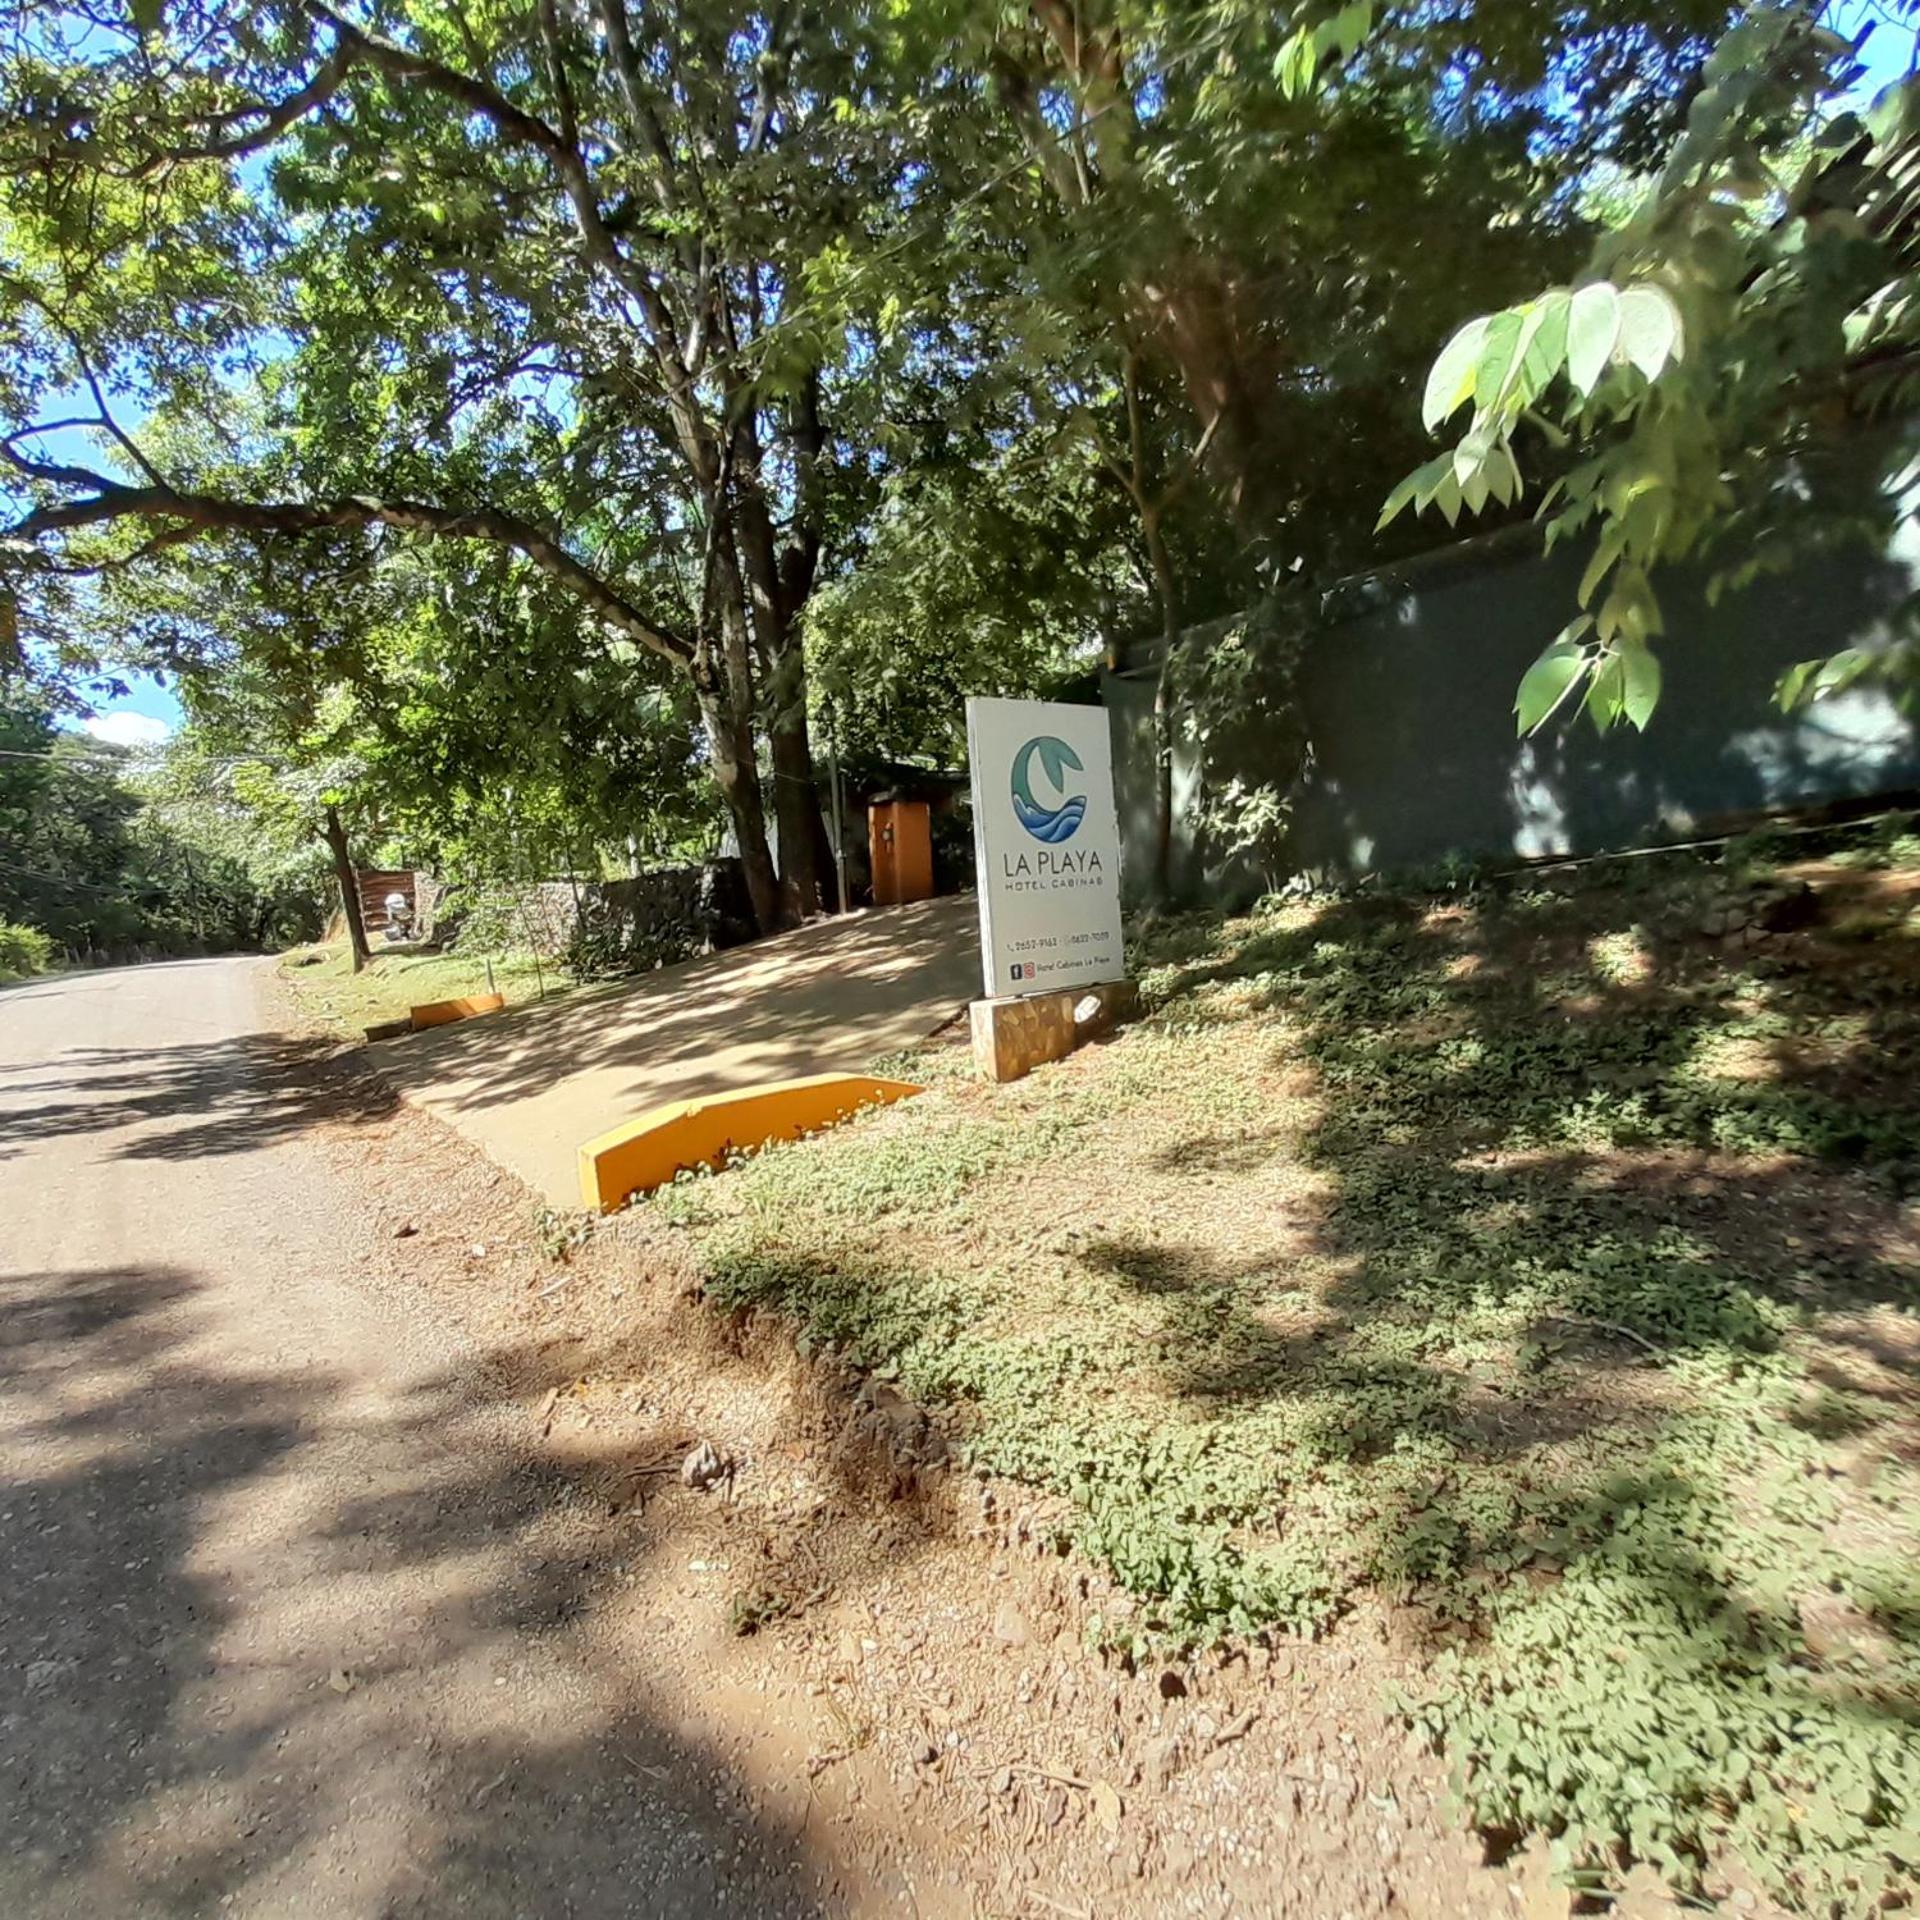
(1014, 1034)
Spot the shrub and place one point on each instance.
(23, 950)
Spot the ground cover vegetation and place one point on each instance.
(1537, 1262)
(346, 1000)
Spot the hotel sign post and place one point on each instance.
(1047, 848)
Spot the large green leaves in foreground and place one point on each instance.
(1715, 387)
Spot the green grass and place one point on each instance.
(347, 1003)
(1517, 1259)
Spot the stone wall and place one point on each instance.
(607, 926)
(627, 926)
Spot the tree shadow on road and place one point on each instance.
(191, 1101)
(392, 1719)
(769, 1010)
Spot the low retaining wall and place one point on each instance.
(648, 1152)
(653, 919)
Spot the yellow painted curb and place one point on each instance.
(647, 1153)
(440, 1013)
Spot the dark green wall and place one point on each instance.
(1409, 696)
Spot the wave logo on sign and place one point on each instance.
(1051, 825)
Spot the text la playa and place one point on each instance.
(1061, 863)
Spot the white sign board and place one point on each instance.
(1046, 845)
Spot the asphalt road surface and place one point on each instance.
(285, 1627)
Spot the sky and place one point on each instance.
(148, 711)
(142, 719)
(1888, 52)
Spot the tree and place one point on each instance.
(1232, 224)
(995, 567)
(65, 818)
(627, 218)
(264, 645)
(1267, 201)
(112, 856)
(232, 877)
(420, 696)
(1719, 382)
(665, 315)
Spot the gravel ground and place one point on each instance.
(288, 1622)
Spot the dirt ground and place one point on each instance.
(890, 1657)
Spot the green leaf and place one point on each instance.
(1645, 518)
(1295, 64)
(1841, 670)
(1416, 489)
(1502, 476)
(1791, 688)
(1341, 36)
(1470, 456)
(1551, 678)
(1649, 330)
(1593, 323)
(1640, 684)
(1399, 500)
(1497, 358)
(1351, 26)
(1452, 377)
(1606, 550)
(1543, 348)
(1606, 691)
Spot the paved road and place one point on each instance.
(285, 1629)
(529, 1087)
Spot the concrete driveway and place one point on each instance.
(530, 1085)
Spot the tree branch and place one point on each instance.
(1195, 459)
(30, 296)
(528, 129)
(626, 67)
(55, 472)
(120, 562)
(402, 63)
(801, 560)
(557, 74)
(122, 439)
(773, 71)
(274, 117)
(206, 513)
(274, 120)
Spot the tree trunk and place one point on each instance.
(1169, 598)
(739, 781)
(349, 888)
(773, 605)
(724, 688)
(796, 801)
